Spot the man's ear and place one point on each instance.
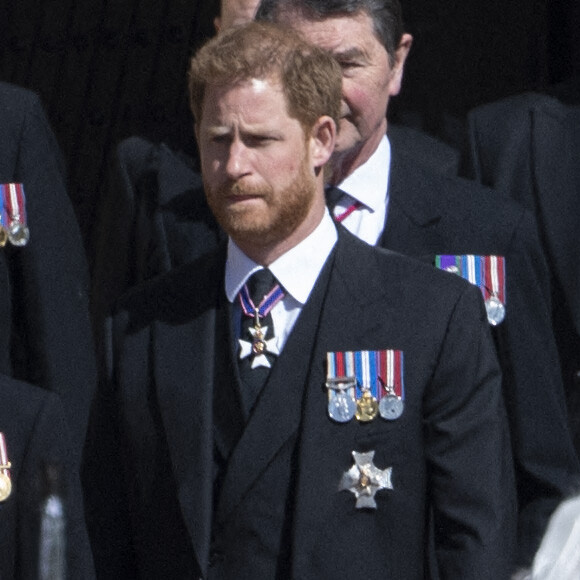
(400, 58)
(217, 24)
(322, 141)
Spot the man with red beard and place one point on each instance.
(298, 404)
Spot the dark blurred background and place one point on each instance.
(108, 69)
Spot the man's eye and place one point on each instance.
(220, 138)
(258, 140)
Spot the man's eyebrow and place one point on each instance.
(349, 53)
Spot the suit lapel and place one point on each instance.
(411, 217)
(558, 197)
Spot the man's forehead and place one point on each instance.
(336, 33)
(245, 95)
(237, 12)
(258, 85)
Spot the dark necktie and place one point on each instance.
(258, 350)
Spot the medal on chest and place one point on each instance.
(5, 466)
(256, 345)
(14, 226)
(485, 272)
(365, 384)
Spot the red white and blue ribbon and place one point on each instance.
(485, 272)
(5, 466)
(14, 215)
(354, 374)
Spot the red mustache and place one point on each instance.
(242, 190)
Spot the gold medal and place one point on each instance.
(5, 486)
(3, 236)
(367, 407)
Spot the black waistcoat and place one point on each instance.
(252, 539)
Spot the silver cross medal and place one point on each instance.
(364, 479)
(259, 345)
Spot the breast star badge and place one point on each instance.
(364, 479)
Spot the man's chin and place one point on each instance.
(245, 227)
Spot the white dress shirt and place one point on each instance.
(297, 271)
(369, 185)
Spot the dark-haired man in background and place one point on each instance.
(388, 199)
(45, 331)
(527, 146)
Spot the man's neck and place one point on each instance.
(344, 163)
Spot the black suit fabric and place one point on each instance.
(527, 147)
(422, 148)
(33, 423)
(45, 329)
(279, 513)
(429, 214)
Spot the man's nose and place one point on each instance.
(238, 160)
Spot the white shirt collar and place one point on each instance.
(369, 182)
(307, 258)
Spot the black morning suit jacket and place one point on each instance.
(45, 331)
(527, 147)
(428, 214)
(33, 423)
(277, 512)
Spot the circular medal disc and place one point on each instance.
(367, 408)
(391, 407)
(495, 310)
(18, 234)
(341, 407)
(5, 487)
(259, 347)
(3, 236)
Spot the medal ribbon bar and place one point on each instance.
(390, 371)
(5, 466)
(3, 219)
(15, 202)
(4, 463)
(485, 272)
(494, 277)
(364, 376)
(378, 371)
(14, 215)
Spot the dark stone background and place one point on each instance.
(107, 69)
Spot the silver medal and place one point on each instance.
(341, 401)
(341, 406)
(18, 234)
(391, 407)
(495, 310)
